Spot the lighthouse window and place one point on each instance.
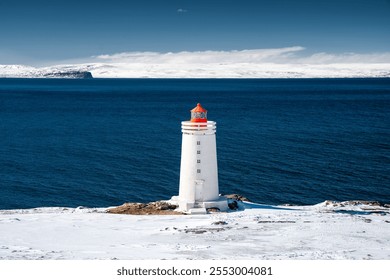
(197, 142)
(198, 115)
(198, 161)
(198, 170)
(198, 152)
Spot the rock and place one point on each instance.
(152, 208)
(195, 231)
(160, 205)
(233, 205)
(356, 203)
(220, 223)
(237, 197)
(69, 74)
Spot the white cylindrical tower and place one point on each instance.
(198, 188)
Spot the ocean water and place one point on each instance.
(102, 142)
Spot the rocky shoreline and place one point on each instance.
(167, 208)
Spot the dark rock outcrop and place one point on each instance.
(237, 197)
(233, 205)
(70, 74)
(151, 208)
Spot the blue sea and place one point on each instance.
(103, 142)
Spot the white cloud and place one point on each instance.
(288, 55)
(234, 56)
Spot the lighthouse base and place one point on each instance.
(200, 207)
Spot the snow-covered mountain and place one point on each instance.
(197, 70)
(261, 63)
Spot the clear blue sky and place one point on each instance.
(48, 30)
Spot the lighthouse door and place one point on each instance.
(199, 190)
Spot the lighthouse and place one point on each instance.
(198, 189)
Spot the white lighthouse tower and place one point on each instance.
(198, 188)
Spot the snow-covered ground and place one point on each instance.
(323, 231)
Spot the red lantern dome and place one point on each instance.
(199, 114)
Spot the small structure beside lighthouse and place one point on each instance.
(198, 190)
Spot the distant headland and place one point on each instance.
(22, 71)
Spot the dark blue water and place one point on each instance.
(102, 142)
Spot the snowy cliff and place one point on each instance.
(22, 71)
